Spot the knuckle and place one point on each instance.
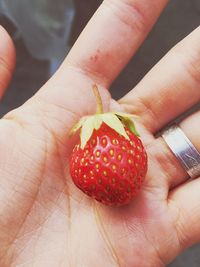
(193, 69)
(128, 12)
(5, 66)
(6, 72)
(188, 50)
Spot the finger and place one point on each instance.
(171, 87)
(7, 60)
(184, 204)
(104, 47)
(175, 173)
(112, 36)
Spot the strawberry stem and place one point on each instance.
(98, 99)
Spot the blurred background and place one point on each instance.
(44, 31)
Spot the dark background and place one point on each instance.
(178, 20)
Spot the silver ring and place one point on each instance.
(183, 149)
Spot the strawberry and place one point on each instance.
(109, 163)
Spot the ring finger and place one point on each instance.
(176, 172)
(166, 92)
(170, 88)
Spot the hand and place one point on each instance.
(44, 219)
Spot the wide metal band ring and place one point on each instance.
(183, 149)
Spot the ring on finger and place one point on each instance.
(183, 149)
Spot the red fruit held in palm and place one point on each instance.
(109, 163)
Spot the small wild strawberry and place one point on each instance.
(109, 163)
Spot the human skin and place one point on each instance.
(44, 219)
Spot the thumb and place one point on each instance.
(7, 60)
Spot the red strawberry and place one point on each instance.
(109, 163)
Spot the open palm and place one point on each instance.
(44, 219)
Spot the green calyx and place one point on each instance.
(115, 120)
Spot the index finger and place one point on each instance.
(7, 60)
